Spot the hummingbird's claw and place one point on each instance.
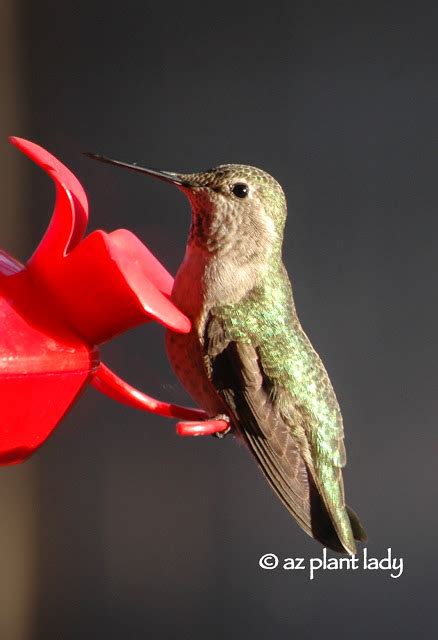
(222, 418)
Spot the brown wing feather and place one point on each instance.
(236, 373)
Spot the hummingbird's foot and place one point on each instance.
(222, 417)
(218, 427)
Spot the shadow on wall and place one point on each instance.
(18, 490)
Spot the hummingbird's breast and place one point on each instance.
(185, 351)
(205, 281)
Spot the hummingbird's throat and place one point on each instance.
(208, 230)
(214, 230)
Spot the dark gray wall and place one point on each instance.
(142, 534)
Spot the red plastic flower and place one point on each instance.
(74, 294)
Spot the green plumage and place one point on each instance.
(297, 383)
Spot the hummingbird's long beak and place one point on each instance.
(167, 176)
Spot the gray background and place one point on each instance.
(137, 533)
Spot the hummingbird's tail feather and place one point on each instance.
(327, 528)
(356, 526)
(334, 504)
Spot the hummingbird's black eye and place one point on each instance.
(240, 189)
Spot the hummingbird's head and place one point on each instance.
(235, 207)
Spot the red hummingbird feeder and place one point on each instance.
(75, 293)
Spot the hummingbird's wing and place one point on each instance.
(237, 374)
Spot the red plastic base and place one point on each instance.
(75, 293)
(35, 402)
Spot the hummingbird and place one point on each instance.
(247, 357)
